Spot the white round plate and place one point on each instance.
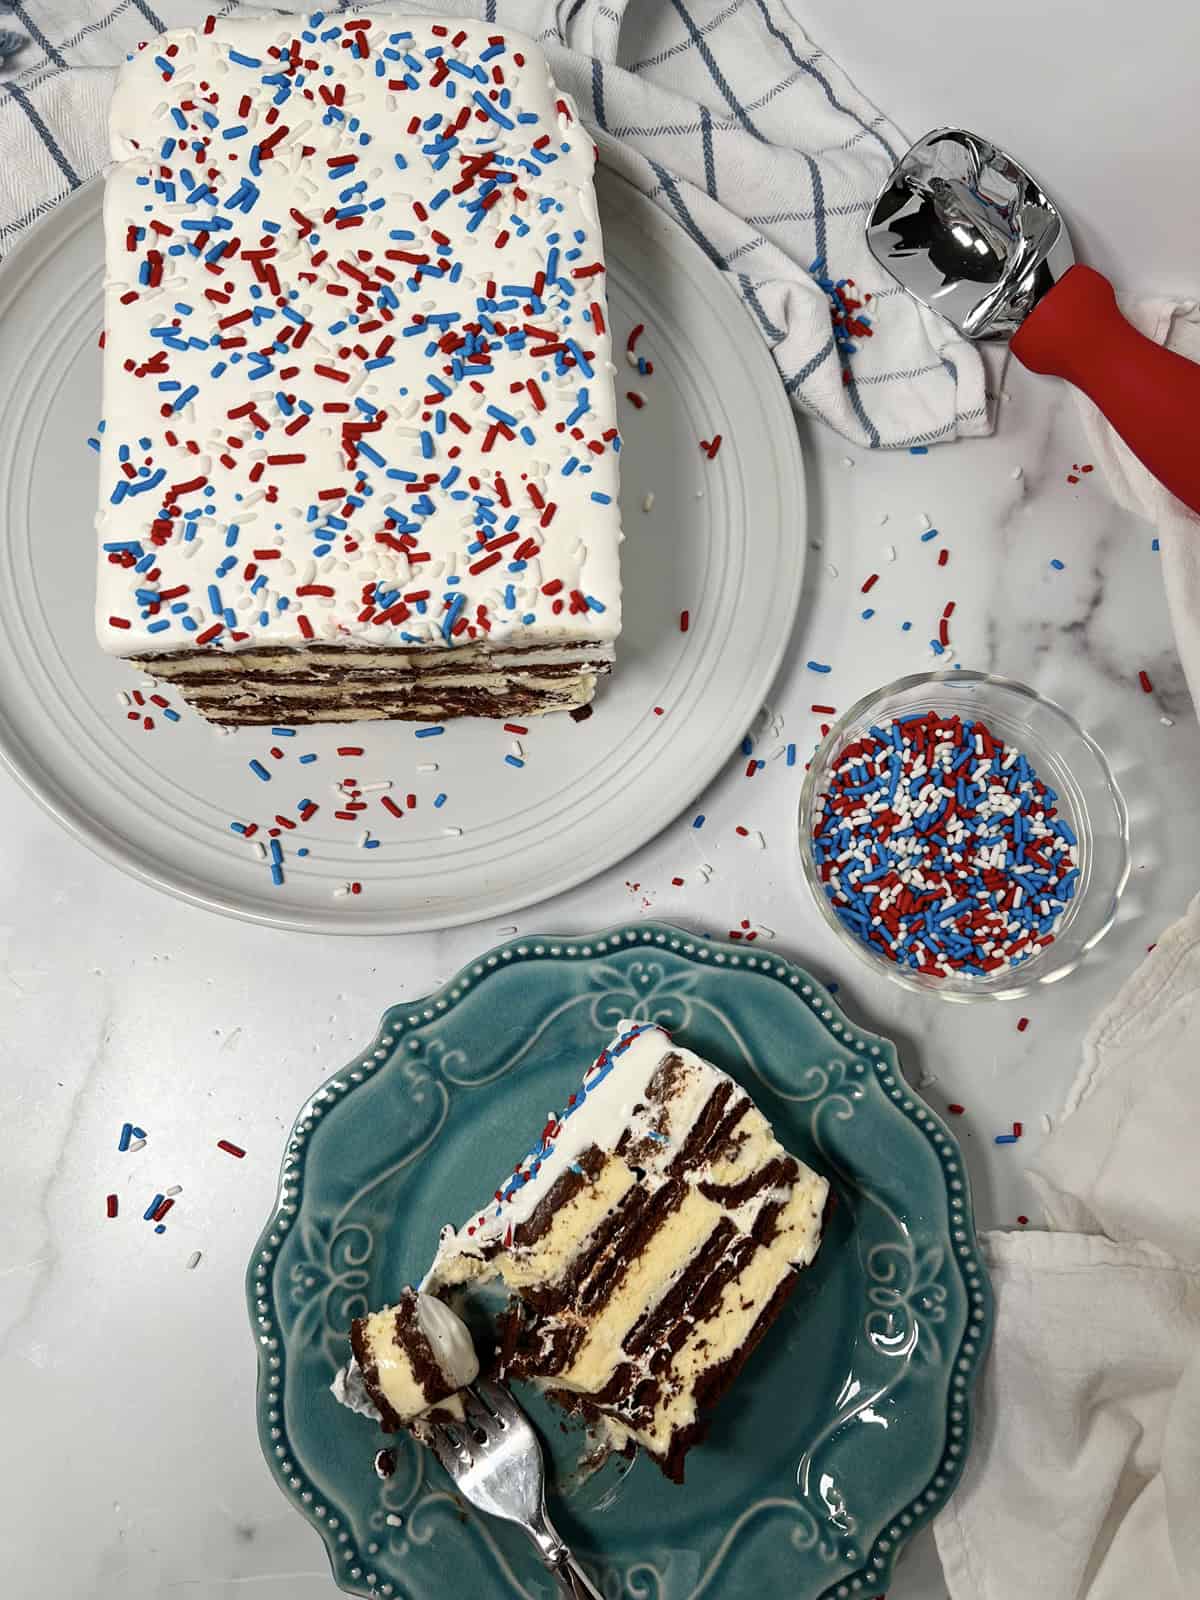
(723, 540)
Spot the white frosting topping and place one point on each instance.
(606, 1104)
(284, 460)
(449, 1340)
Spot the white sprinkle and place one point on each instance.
(889, 552)
(883, 519)
(394, 1521)
(847, 461)
(757, 840)
(699, 494)
(1017, 472)
(193, 1261)
(832, 570)
(505, 933)
(137, 1144)
(515, 749)
(763, 931)
(648, 501)
(451, 833)
(925, 522)
(372, 788)
(428, 766)
(260, 849)
(343, 889)
(1167, 722)
(363, 837)
(174, 1190)
(1046, 1123)
(927, 1079)
(631, 358)
(123, 699)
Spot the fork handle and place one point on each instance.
(572, 1581)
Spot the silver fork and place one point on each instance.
(496, 1461)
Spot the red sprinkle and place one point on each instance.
(1022, 1024)
(515, 727)
(350, 750)
(1018, 1129)
(110, 1205)
(230, 1149)
(685, 621)
(824, 711)
(1022, 1220)
(943, 556)
(1144, 680)
(870, 583)
(388, 804)
(956, 1110)
(634, 335)
(678, 882)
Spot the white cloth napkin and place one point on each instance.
(1177, 325)
(1084, 1480)
(723, 111)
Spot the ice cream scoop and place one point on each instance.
(972, 234)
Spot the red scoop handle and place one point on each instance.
(1151, 396)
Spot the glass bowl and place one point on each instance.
(1064, 757)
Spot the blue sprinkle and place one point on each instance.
(428, 733)
(1006, 1138)
(930, 533)
(259, 771)
(1057, 564)
(304, 760)
(791, 755)
(817, 666)
(126, 1136)
(148, 1214)
(514, 761)
(698, 820)
(918, 450)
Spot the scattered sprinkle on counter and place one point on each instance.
(231, 1149)
(941, 849)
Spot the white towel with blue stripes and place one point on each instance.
(722, 111)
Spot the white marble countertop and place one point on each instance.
(127, 1381)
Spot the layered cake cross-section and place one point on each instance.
(412, 1357)
(359, 451)
(649, 1239)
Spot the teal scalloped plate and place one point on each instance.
(850, 1425)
